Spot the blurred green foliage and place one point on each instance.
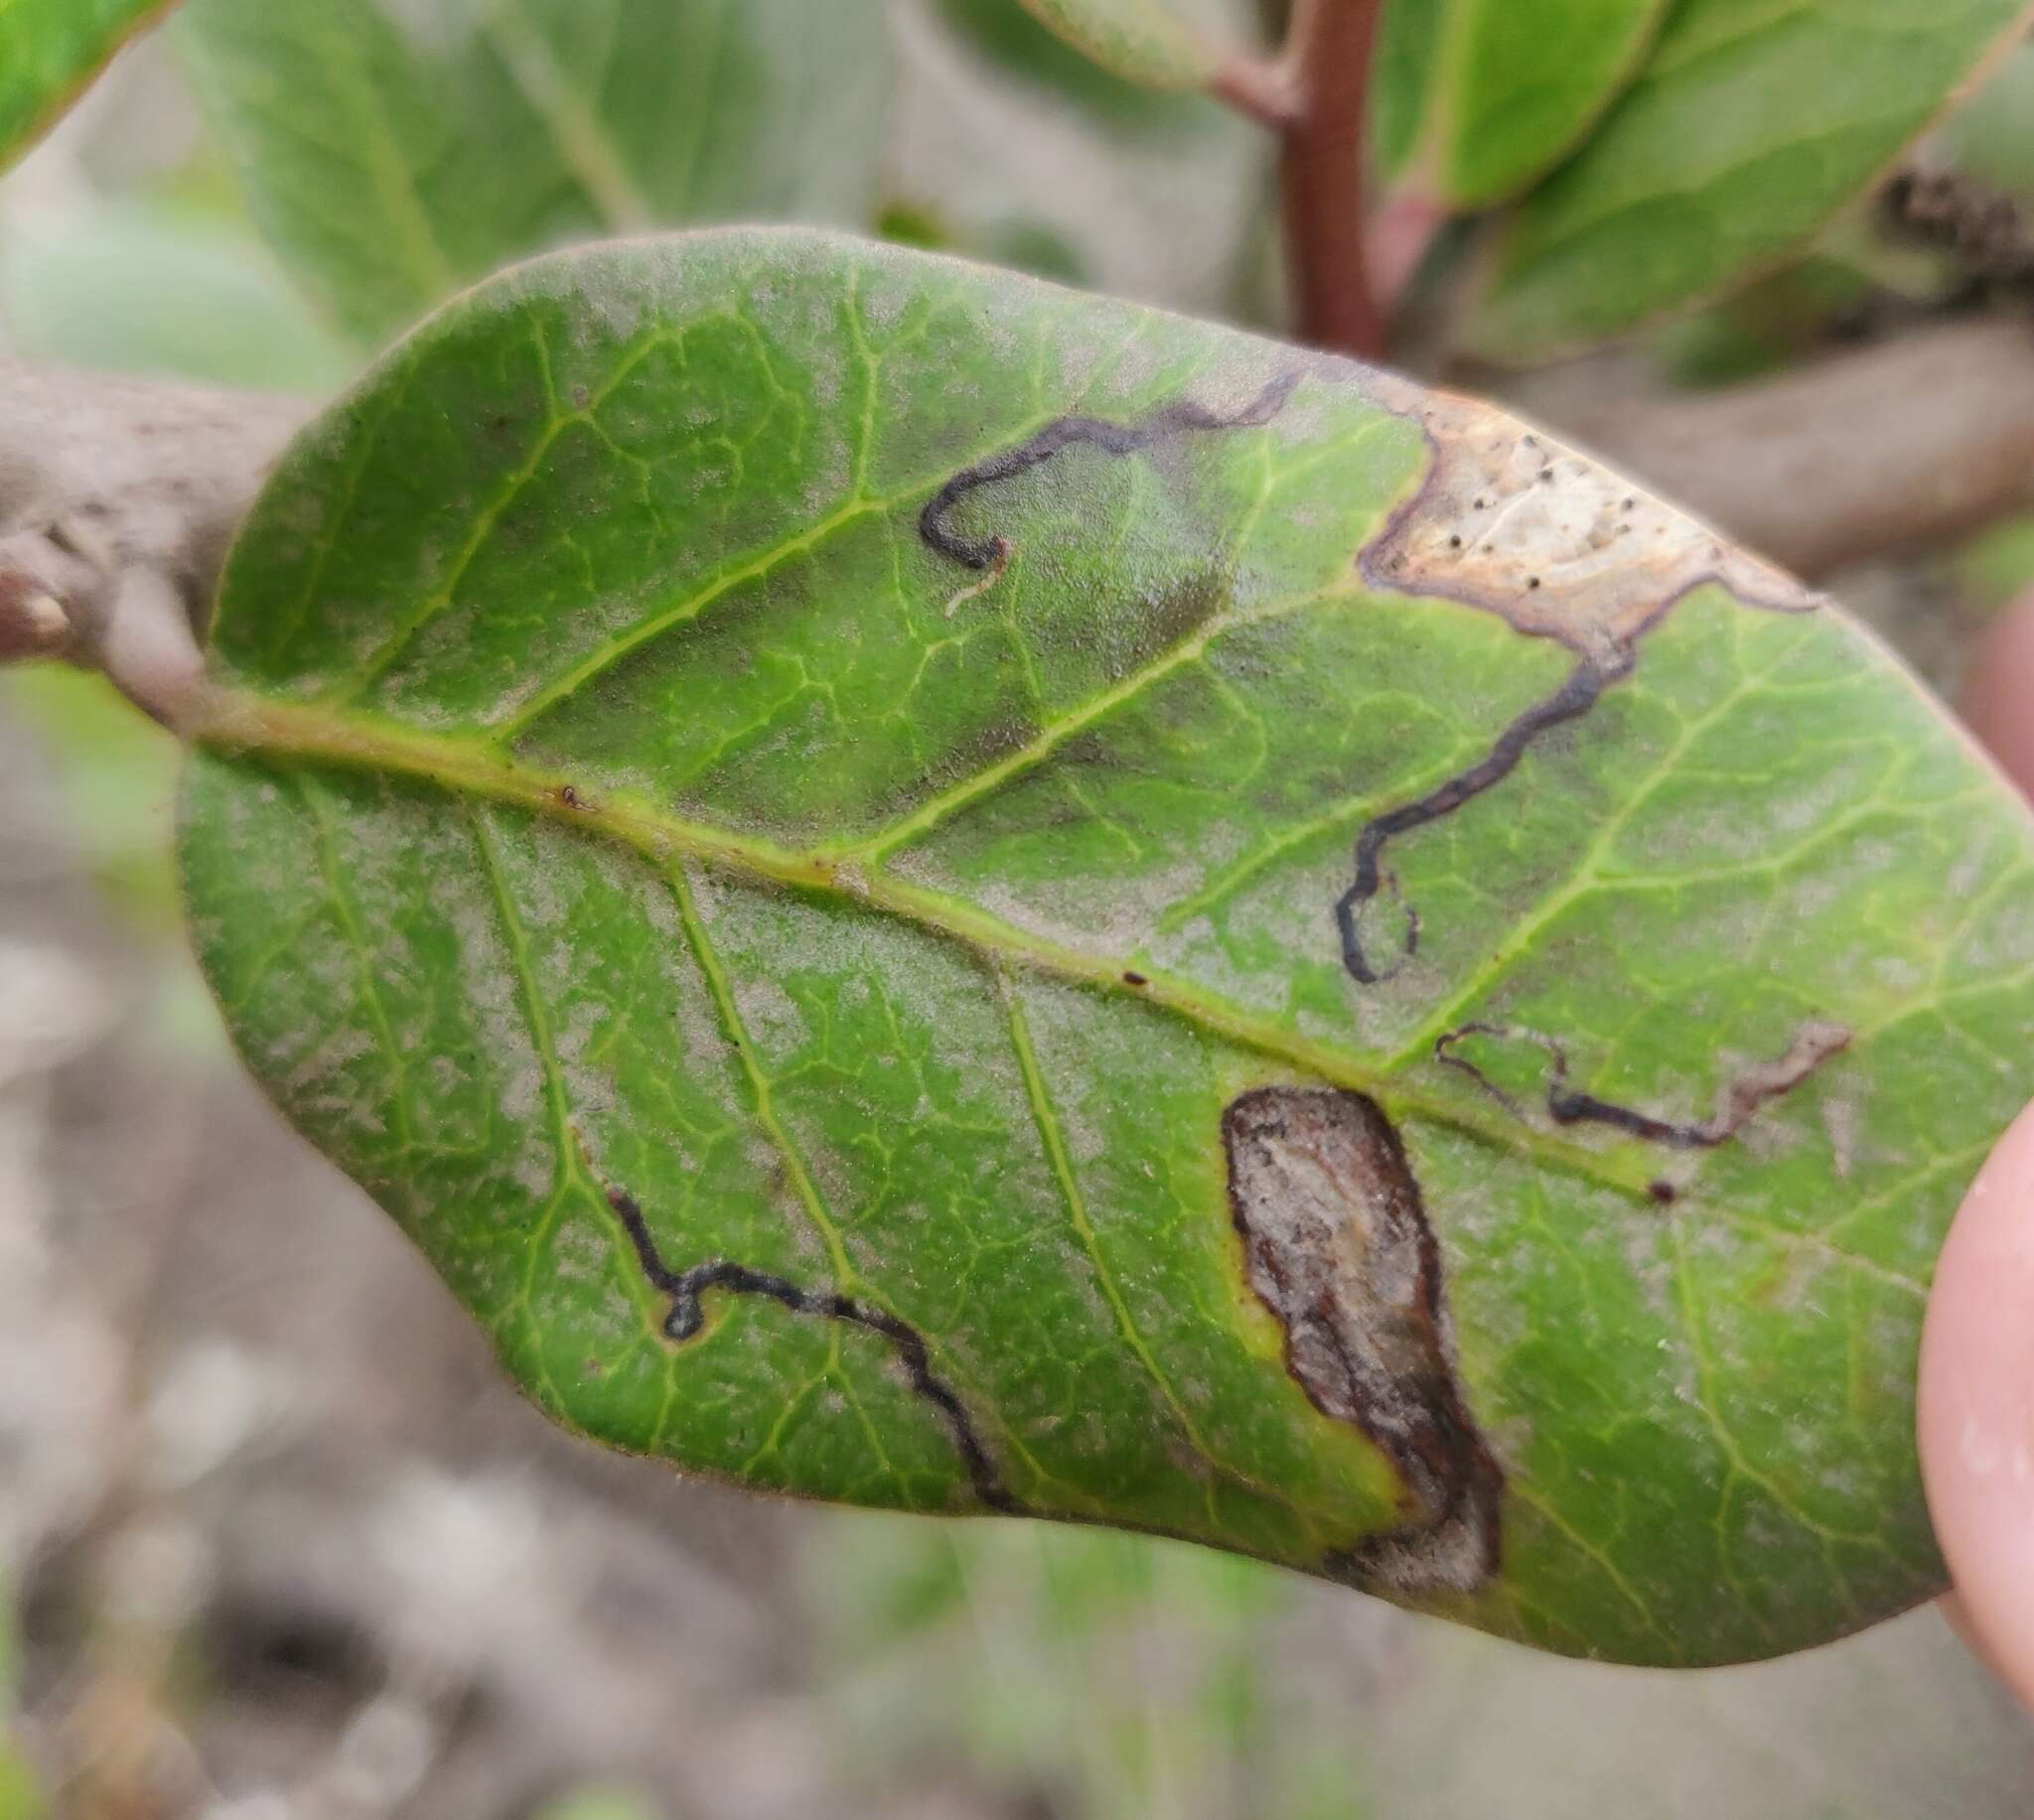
(20, 1797)
(116, 773)
(1020, 245)
(1990, 138)
(1014, 43)
(1997, 565)
(1476, 100)
(601, 1803)
(1743, 134)
(50, 49)
(1855, 271)
(1099, 1674)
(396, 156)
(1164, 43)
(219, 309)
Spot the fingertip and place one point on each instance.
(1998, 692)
(1976, 1406)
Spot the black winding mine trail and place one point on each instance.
(1186, 416)
(1573, 699)
(1813, 1045)
(687, 1317)
(1180, 418)
(1597, 670)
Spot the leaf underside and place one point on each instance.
(931, 892)
(1749, 128)
(49, 50)
(396, 156)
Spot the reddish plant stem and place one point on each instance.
(1401, 228)
(1256, 87)
(1322, 176)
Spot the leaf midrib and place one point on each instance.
(241, 722)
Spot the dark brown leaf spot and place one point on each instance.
(1337, 1245)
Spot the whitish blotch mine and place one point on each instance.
(1337, 1245)
(1521, 525)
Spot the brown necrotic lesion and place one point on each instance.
(1337, 1245)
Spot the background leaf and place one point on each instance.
(1750, 125)
(1998, 566)
(218, 308)
(1853, 273)
(825, 1007)
(49, 50)
(396, 154)
(1016, 43)
(1477, 98)
(1991, 137)
(1160, 43)
(20, 1798)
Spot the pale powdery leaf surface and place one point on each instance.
(825, 828)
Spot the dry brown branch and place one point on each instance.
(117, 499)
(1907, 442)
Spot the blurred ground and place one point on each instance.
(278, 1543)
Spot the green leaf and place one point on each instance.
(1753, 122)
(218, 310)
(50, 50)
(1161, 44)
(931, 892)
(20, 1795)
(395, 155)
(1013, 41)
(1476, 99)
(1853, 270)
(598, 1803)
(1996, 567)
(1990, 138)
(114, 772)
